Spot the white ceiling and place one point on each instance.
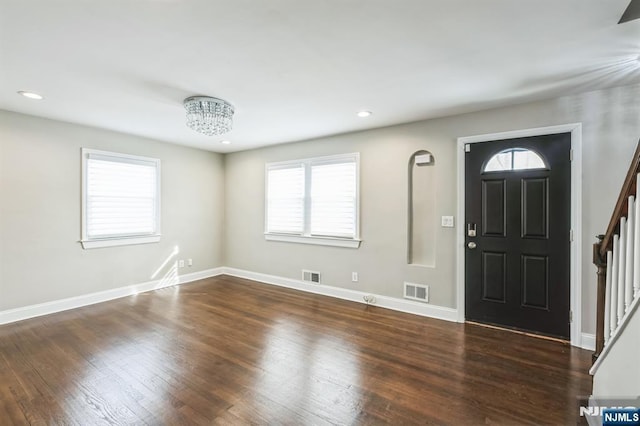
(297, 69)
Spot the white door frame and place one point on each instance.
(576, 216)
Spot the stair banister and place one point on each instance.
(616, 255)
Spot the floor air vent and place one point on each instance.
(311, 276)
(417, 292)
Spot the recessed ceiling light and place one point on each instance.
(226, 142)
(31, 95)
(364, 114)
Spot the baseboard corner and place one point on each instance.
(51, 307)
(588, 341)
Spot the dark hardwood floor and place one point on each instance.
(231, 351)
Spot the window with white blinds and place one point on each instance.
(333, 199)
(285, 199)
(313, 201)
(120, 199)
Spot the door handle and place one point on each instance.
(472, 245)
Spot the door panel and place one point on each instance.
(535, 281)
(494, 208)
(535, 211)
(494, 277)
(518, 273)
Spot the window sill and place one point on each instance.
(111, 242)
(321, 241)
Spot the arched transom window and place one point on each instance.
(515, 159)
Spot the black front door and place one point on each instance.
(517, 254)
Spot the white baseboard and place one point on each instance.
(19, 314)
(408, 306)
(588, 341)
(396, 304)
(432, 311)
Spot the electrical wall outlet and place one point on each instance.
(447, 221)
(369, 299)
(354, 277)
(180, 263)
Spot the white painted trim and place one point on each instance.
(576, 244)
(588, 341)
(576, 215)
(320, 241)
(524, 133)
(305, 237)
(111, 242)
(616, 334)
(19, 314)
(90, 243)
(408, 306)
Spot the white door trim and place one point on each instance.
(576, 215)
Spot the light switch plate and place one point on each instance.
(447, 221)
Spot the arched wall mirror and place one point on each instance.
(421, 235)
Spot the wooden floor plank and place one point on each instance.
(230, 351)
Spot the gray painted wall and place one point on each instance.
(611, 129)
(40, 257)
(213, 205)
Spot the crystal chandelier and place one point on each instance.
(211, 116)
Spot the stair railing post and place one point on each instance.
(601, 264)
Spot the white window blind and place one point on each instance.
(120, 198)
(285, 199)
(333, 199)
(313, 199)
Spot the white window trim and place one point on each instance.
(90, 243)
(306, 237)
